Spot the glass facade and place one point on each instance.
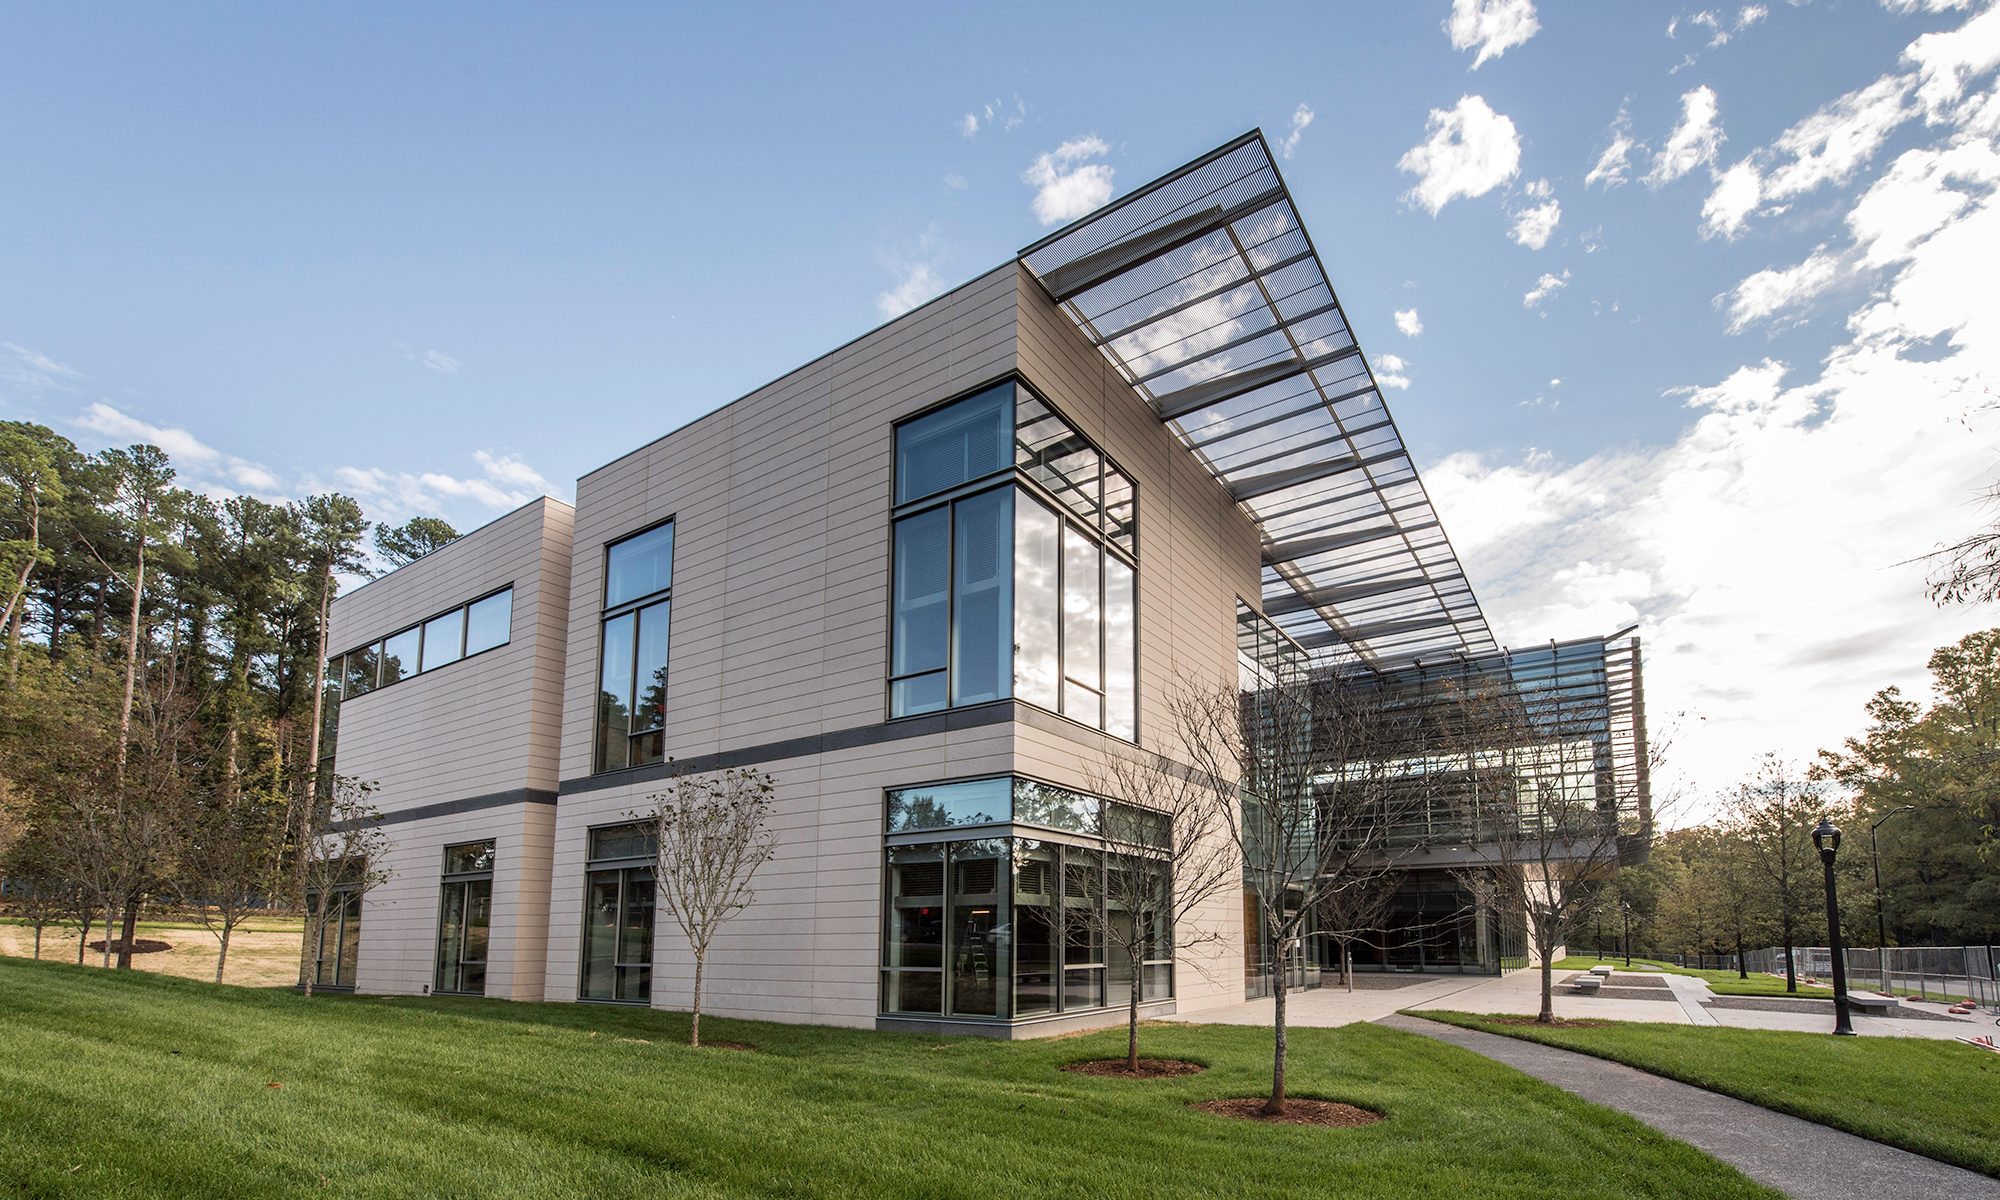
(334, 960)
(465, 919)
(632, 674)
(999, 898)
(618, 915)
(1013, 574)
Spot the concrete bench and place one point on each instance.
(1587, 984)
(1601, 970)
(1869, 1002)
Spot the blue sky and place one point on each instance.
(448, 258)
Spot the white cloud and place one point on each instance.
(1824, 148)
(504, 482)
(1408, 322)
(1494, 26)
(34, 371)
(1469, 151)
(1392, 372)
(200, 466)
(1948, 61)
(915, 269)
(1694, 140)
(1733, 199)
(1614, 159)
(1066, 185)
(1301, 117)
(1534, 224)
(968, 125)
(994, 112)
(1780, 289)
(1766, 550)
(1545, 287)
(954, 182)
(439, 361)
(511, 471)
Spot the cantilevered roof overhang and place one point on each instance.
(1205, 292)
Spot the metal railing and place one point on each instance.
(1927, 972)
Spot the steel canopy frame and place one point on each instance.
(1204, 291)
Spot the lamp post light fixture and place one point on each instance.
(1882, 922)
(1827, 839)
(1625, 913)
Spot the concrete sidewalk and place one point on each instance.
(1799, 1158)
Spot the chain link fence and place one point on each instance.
(1929, 972)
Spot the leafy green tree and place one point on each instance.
(332, 527)
(1772, 815)
(400, 545)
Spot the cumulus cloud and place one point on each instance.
(1694, 140)
(504, 482)
(916, 273)
(1824, 148)
(1765, 551)
(1392, 372)
(1493, 27)
(1408, 323)
(1535, 223)
(202, 467)
(1948, 61)
(1469, 150)
(1301, 117)
(1067, 185)
(1545, 287)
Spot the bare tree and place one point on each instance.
(712, 834)
(227, 846)
(40, 895)
(335, 851)
(1558, 814)
(1350, 913)
(1772, 817)
(1168, 855)
(1318, 798)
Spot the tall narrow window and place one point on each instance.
(632, 673)
(465, 919)
(982, 626)
(923, 613)
(1037, 604)
(618, 915)
(1083, 663)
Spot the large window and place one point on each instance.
(632, 673)
(465, 918)
(440, 641)
(334, 960)
(618, 915)
(998, 899)
(1014, 574)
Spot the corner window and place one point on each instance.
(446, 638)
(618, 915)
(1013, 571)
(632, 672)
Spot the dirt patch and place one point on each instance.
(1149, 1068)
(1325, 1113)
(139, 946)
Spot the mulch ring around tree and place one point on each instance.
(1330, 1114)
(139, 946)
(1149, 1068)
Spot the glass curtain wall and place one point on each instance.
(339, 951)
(618, 915)
(465, 919)
(997, 902)
(1014, 573)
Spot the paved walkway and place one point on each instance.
(1799, 1158)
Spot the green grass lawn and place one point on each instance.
(142, 1085)
(1722, 983)
(1940, 1099)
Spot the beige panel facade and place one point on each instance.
(779, 651)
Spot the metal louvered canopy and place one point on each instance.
(1204, 291)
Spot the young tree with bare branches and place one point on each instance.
(712, 832)
(1168, 855)
(227, 847)
(1317, 798)
(335, 850)
(1772, 817)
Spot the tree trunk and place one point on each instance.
(222, 957)
(1742, 967)
(319, 677)
(38, 941)
(309, 952)
(110, 919)
(1132, 1011)
(1281, 959)
(694, 1024)
(1347, 966)
(127, 931)
(1791, 967)
(82, 940)
(131, 655)
(1548, 1014)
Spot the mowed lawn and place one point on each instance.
(1722, 983)
(262, 952)
(1936, 1098)
(143, 1085)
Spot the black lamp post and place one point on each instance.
(1827, 839)
(1625, 914)
(1881, 921)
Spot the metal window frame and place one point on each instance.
(608, 614)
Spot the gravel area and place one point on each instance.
(1758, 1004)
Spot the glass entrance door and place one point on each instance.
(465, 919)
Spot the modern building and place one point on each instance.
(928, 581)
